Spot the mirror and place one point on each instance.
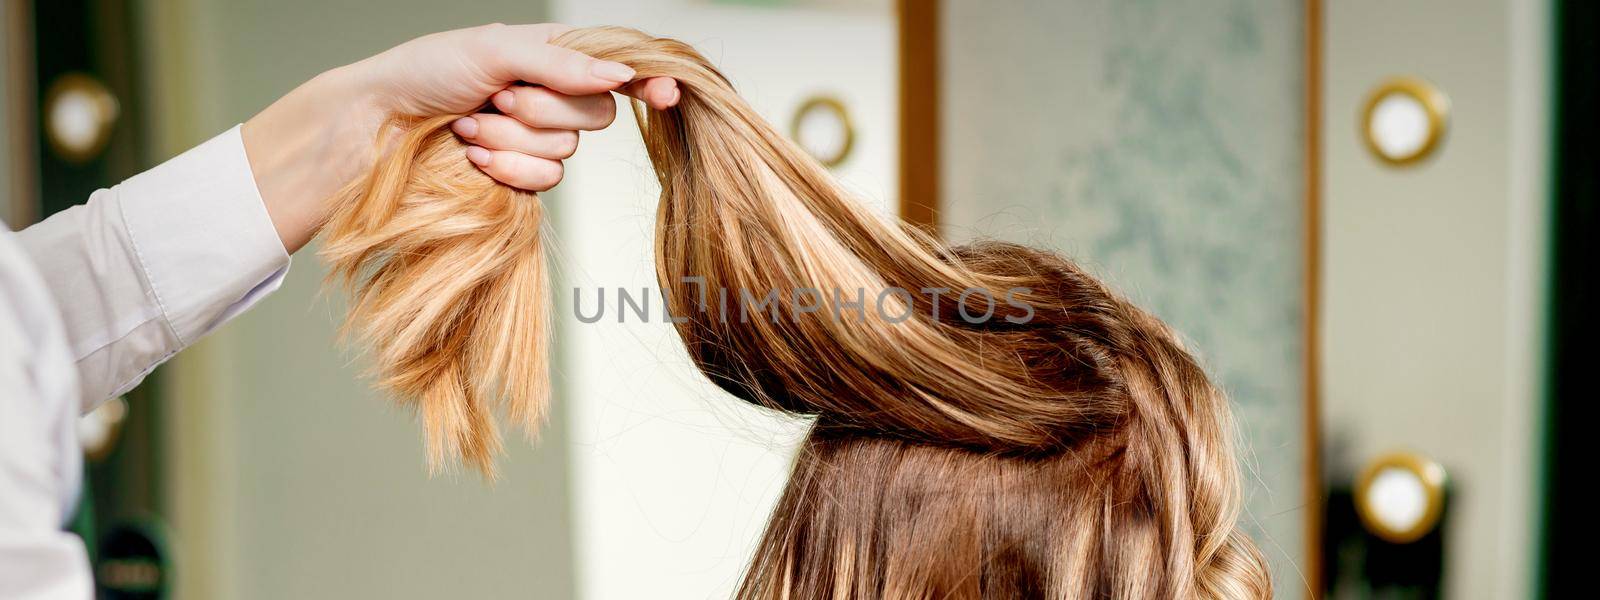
(823, 128)
(98, 430)
(1404, 120)
(1400, 497)
(1121, 136)
(79, 113)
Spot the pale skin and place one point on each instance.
(318, 138)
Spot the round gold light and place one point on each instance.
(79, 115)
(822, 126)
(1404, 120)
(98, 431)
(1400, 496)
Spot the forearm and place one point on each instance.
(149, 266)
(309, 144)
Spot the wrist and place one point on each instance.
(308, 145)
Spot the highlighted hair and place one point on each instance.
(1073, 450)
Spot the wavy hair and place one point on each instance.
(1068, 446)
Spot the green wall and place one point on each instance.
(1159, 143)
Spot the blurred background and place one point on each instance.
(1371, 219)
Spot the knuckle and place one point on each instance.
(491, 132)
(550, 174)
(483, 48)
(500, 168)
(532, 102)
(577, 66)
(567, 144)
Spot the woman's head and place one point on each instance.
(1113, 474)
(1065, 445)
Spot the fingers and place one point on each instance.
(547, 109)
(659, 93)
(516, 169)
(499, 132)
(521, 52)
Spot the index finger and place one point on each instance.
(660, 93)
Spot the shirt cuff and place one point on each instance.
(203, 236)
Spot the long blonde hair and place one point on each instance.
(1065, 446)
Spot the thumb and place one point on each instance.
(530, 59)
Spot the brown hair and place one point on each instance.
(1066, 447)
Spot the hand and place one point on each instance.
(545, 95)
(455, 71)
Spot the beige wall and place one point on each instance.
(287, 478)
(1432, 274)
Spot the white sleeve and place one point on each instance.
(149, 266)
(39, 457)
(37, 559)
